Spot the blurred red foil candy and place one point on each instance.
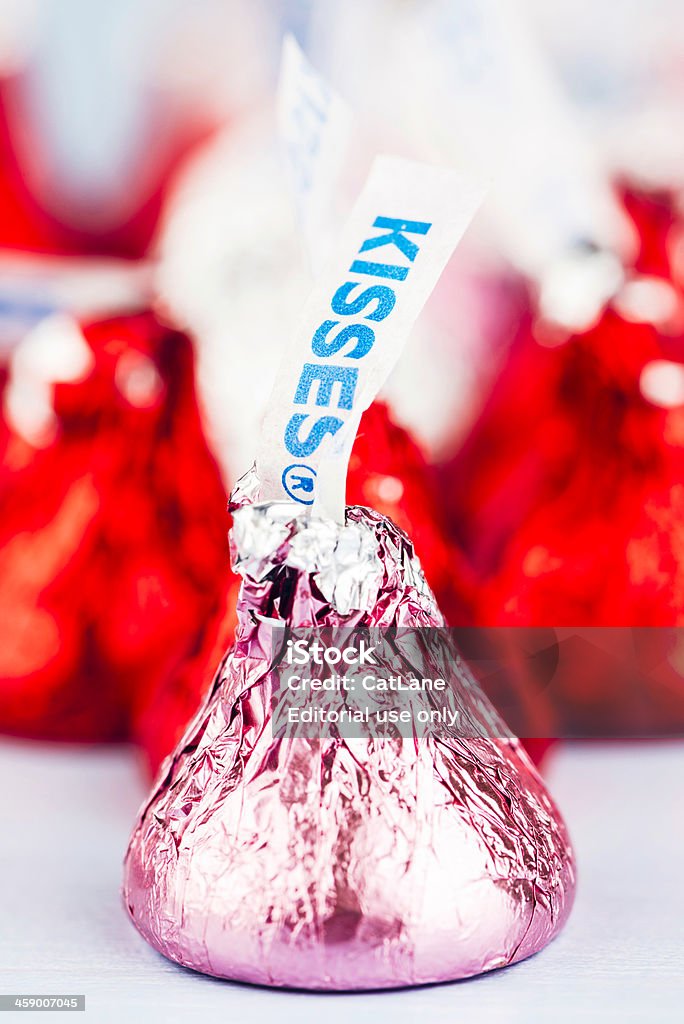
(27, 224)
(388, 472)
(603, 545)
(537, 420)
(166, 710)
(113, 539)
(654, 216)
(569, 495)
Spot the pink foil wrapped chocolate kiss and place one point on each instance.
(334, 863)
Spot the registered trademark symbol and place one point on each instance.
(298, 480)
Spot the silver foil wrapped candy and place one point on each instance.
(338, 863)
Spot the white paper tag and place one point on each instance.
(315, 128)
(397, 241)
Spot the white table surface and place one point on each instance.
(64, 822)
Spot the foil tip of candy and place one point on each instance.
(343, 560)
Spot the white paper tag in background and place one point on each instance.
(466, 82)
(397, 241)
(551, 190)
(34, 286)
(315, 129)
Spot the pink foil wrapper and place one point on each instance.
(333, 863)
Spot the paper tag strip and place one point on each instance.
(315, 128)
(398, 239)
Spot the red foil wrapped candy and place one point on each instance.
(112, 542)
(600, 543)
(333, 863)
(568, 494)
(388, 472)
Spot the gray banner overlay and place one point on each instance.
(472, 682)
(24, 1001)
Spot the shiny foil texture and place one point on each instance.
(388, 472)
(591, 484)
(603, 541)
(568, 433)
(331, 863)
(568, 496)
(112, 541)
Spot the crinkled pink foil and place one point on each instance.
(341, 863)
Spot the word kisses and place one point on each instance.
(338, 343)
(300, 652)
